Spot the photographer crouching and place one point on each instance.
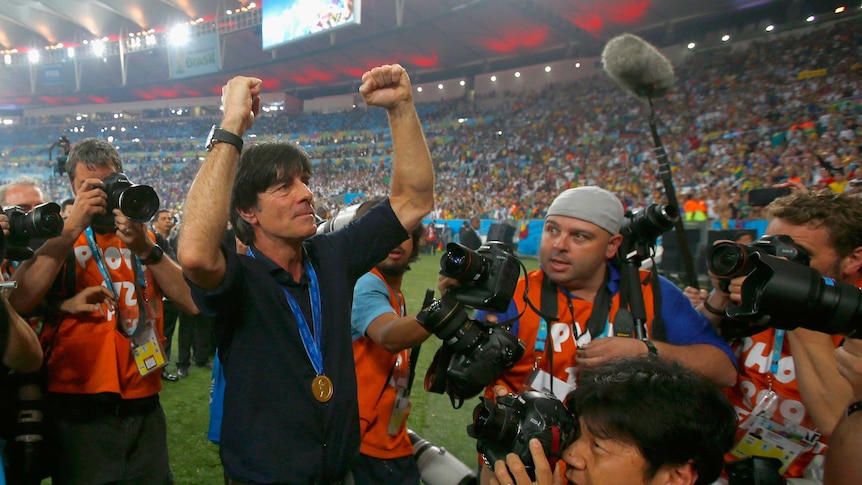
(790, 395)
(577, 290)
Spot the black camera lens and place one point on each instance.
(651, 222)
(463, 264)
(495, 422)
(139, 203)
(43, 222)
(729, 260)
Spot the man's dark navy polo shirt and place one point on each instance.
(273, 430)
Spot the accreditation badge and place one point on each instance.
(399, 412)
(147, 350)
(769, 435)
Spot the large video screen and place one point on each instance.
(289, 20)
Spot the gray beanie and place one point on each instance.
(592, 204)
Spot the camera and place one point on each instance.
(507, 426)
(785, 294)
(437, 466)
(642, 227)
(729, 260)
(474, 352)
(138, 202)
(43, 222)
(488, 275)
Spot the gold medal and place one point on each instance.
(321, 388)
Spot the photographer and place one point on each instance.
(384, 339)
(641, 421)
(799, 365)
(23, 192)
(290, 396)
(579, 241)
(104, 364)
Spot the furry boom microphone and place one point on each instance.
(637, 66)
(643, 71)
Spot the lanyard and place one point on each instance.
(136, 269)
(311, 343)
(776, 350)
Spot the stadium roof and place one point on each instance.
(434, 39)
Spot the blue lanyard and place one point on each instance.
(100, 262)
(136, 269)
(311, 343)
(776, 350)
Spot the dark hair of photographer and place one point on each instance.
(673, 417)
(639, 421)
(267, 164)
(828, 227)
(93, 152)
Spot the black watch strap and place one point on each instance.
(156, 255)
(218, 135)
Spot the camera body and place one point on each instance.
(42, 222)
(507, 426)
(138, 202)
(488, 275)
(642, 227)
(474, 352)
(730, 260)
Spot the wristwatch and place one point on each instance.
(156, 255)
(218, 135)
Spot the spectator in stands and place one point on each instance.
(290, 405)
(97, 383)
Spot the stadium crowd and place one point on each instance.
(737, 119)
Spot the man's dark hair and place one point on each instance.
(67, 203)
(672, 415)
(93, 153)
(261, 166)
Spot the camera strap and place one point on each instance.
(140, 284)
(657, 330)
(596, 324)
(598, 320)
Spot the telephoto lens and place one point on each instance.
(437, 466)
